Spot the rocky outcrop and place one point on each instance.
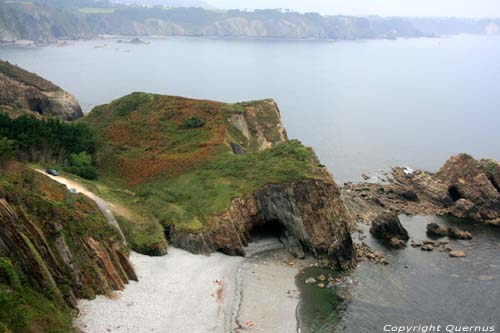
(434, 229)
(211, 186)
(309, 214)
(463, 187)
(389, 229)
(60, 243)
(22, 90)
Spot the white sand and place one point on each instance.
(177, 293)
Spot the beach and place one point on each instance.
(182, 292)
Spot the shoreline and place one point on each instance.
(183, 292)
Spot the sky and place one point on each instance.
(459, 8)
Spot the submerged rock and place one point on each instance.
(456, 254)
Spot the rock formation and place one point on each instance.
(389, 229)
(309, 213)
(22, 91)
(58, 243)
(463, 187)
(239, 165)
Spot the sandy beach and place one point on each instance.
(182, 292)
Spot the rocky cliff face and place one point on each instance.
(22, 90)
(308, 217)
(59, 245)
(40, 23)
(463, 187)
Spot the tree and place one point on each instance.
(81, 164)
(6, 149)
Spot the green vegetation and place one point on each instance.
(23, 309)
(32, 289)
(168, 159)
(26, 77)
(81, 165)
(193, 122)
(191, 199)
(49, 140)
(6, 149)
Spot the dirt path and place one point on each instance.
(103, 206)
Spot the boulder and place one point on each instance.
(388, 228)
(434, 229)
(310, 280)
(460, 234)
(456, 254)
(397, 243)
(494, 222)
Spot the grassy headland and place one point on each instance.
(172, 160)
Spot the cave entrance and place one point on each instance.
(268, 229)
(494, 183)
(454, 193)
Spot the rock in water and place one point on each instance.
(389, 229)
(397, 243)
(435, 229)
(25, 92)
(460, 234)
(310, 280)
(456, 254)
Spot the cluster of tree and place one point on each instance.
(70, 145)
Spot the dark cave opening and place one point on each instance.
(494, 183)
(268, 229)
(454, 193)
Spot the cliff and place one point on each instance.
(212, 173)
(56, 20)
(40, 23)
(55, 247)
(22, 91)
(464, 187)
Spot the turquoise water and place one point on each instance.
(363, 105)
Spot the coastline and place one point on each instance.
(182, 292)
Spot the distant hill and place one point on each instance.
(168, 3)
(52, 20)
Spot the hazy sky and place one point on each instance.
(466, 8)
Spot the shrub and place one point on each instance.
(6, 149)
(193, 122)
(81, 165)
(8, 274)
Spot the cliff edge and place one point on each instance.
(211, 174)
(22, 91)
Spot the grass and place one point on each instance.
(172, 174)
(96, 10)
(26, 77)
(28, 305)
(191, 199)
(23, 309)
